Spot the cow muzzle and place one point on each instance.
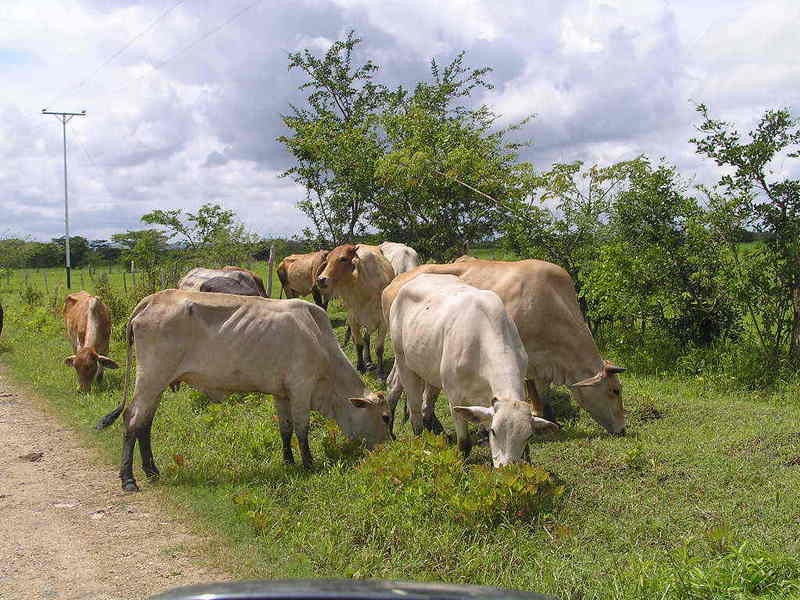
(322, 282)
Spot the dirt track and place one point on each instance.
(66, 530)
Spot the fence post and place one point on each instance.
(133, 275)
(270, 262)
(125, 282)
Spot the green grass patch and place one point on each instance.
(700, 500)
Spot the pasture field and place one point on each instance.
(700, 500)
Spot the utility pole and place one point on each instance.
(65, 117)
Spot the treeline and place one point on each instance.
(669, 275)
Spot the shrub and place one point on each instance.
(430, 471)
(30, 296)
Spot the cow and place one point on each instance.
(358, 274)
(540, 298)
(456, 337)
(195, 278)
(88, 324)
(402, 258)
(227, 285)
(298, 275)
(228, 343)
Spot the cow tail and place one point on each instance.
(112, 416)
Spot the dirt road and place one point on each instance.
(66, 530)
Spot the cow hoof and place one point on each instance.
(130, 486)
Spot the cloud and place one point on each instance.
(190, 110)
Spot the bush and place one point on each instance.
(430, 471)
(30, 296)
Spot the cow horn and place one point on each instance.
(610, 368)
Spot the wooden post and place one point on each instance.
(125, 282)
(133, 275)
(270, 264)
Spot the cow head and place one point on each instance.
(601, 396)
(370, 419)
(87, 363)
(340, 262)
(511, 424)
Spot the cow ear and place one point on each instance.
(475, 414)
(69, 359)
(108, 363)
(540, 424)
(589, 381)
(362, 402)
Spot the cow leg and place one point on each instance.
(394, 391)
(379, 351)
(146, 450)
(216, 396)
(429, 420)
(540, 403)
(300, 414)
(367, 351)
(462, 431)
(138, 419)
(414, 387)
(286, 427)
(318, 299)
(358, 340)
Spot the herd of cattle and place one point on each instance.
(493, 335)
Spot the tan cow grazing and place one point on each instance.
(88, 325)
(358, 275)
(195, 278)
(229, 343)
(298, 275)
(540, 298)
(402, 258)
(453, 336)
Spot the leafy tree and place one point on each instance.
(565, 219)
(104, 251)
(660, 263)
(444, 158)
(145, 247)
(78, 249)
(212, 233)
(335, 140)
(757, 198)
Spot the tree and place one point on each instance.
(758, 198)
(660, 262)
(565, 219)
(212, 233)
(335, 140)
(436, 145)
(145, 247)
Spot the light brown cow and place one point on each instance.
(88, 325)
(228, 343)
(540, 298)
(402, 258)
(298, 275)
(358, 274)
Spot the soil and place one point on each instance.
(66, 529)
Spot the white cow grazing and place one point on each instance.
(227, 343)
(453, 336)
(402, 258)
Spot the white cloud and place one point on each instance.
(608, 79)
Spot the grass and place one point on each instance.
(700, 500)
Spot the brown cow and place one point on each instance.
(540, 298)
(358, 275)
(88, 325)
(298, 275)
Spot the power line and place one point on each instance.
(191, 44)
(127, 45)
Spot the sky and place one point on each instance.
(184, 99)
